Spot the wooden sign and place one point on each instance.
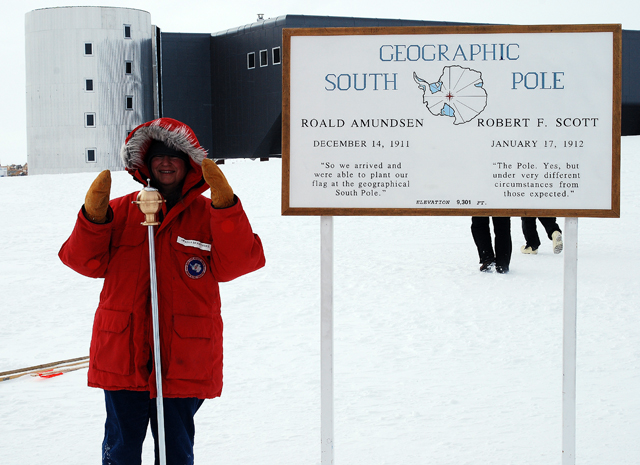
(467, 121)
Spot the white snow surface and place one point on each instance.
(435, 362)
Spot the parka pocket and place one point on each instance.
(128, 253)
(129, 236)
(113, 343)
(192, 348)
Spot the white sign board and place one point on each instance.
(470, 121)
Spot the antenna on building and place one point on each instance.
(260, 16)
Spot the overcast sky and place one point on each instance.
(214, 16)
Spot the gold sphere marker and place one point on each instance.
(149, 202)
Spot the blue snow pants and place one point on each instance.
(129, 414)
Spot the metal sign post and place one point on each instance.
(326, 339)
(569, 341)
(150, 201)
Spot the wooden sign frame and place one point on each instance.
(606, 206)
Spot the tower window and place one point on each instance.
(251, 60)
(275, 55)
(88, 48)
(89, 120)
(128, 102)
(127, 31)
(88, 85)
(90, 155)
(128, 67)
(264, 58)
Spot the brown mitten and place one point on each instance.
(96, 202)
(221, 192)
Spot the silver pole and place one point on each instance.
(569, 341)
(150, 201)
(326, 339)
(156, 344)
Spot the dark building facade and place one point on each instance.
(630, 83)
(228, 86)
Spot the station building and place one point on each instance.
(95, 73)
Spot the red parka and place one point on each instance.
(196, 247)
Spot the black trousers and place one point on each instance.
(482, 237)
(128, 415)
(531, 233)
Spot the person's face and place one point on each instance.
(169, 172)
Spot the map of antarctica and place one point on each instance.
(457, 94)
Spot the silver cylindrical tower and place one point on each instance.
(89, 82)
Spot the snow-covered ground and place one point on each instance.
(435, 362)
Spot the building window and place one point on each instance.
(127, 31)
(88, 48)
(88, 85)
(264, 58)
(128, 102)
(251, 60)
(89, 120)
(275, 55)
(128, 67)
(90, 155)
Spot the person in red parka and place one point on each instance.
(199, 243)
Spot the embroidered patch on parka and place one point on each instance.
(195, 268)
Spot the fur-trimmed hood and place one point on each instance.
(174, 134)
(171, 132)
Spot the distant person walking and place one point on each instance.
(482, 237)
(533, 240)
